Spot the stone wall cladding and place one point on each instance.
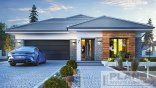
(130, 41)
(138, 47)
(98, 50)
(73, 50)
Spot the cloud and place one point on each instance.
(53, 8)
(18, 21)
(126, 3)
(49, 0)
(24, 9)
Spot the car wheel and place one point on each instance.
(36, 64)
(12, 64)
(44, 61)
(37, 61)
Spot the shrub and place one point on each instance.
(134, 65)
(55, 82)
(120, 59)
(111, 59)
(105, 59)
(123, 60)
(121, 55)
(72, 63)
(130, 59)
(66, 71)
(143, 60)
(153, 59)
(127, 54)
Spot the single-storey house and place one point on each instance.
(82, 37)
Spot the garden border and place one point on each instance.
(40, 84)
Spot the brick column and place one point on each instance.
(131, 45)
(105, 47)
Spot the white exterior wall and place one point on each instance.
(46, 36)
(81, 35)
(20, 37)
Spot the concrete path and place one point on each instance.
(91, 78)
(22, 76)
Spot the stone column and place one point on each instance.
(138, 49)
(73, 45)
(78, 54)
(98, 49)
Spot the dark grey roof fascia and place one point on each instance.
(110, 28)
(37, 31)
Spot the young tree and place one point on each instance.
(148, 39)
(2, 35)
(148, 42)
(8, 46)
(149, 22)
(33, 15)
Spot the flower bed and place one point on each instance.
(64, 78)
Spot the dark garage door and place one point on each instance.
(53, 49)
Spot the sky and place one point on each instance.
(16, 12)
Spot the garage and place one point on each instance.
(53, 49)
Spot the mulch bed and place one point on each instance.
(142, 76)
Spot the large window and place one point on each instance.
(116, 45)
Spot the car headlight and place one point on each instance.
(31, 58)
(10, 56)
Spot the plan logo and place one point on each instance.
(123, 79)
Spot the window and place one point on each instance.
(116, 45)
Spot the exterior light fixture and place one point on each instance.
(73, 42)
(99, 40)
(19, 43)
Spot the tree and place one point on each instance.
(2, 35)
(149, 22)
(33, 15)
(8, 46)
(148, 42)
(148, 39)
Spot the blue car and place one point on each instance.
(26, 54)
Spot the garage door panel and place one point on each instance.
(53, 49)
(49, 43)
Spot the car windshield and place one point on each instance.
(24, 49)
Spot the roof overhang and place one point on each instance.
(39, 32)
(110, 29)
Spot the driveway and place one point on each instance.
(26, 76)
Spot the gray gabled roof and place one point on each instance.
(106, 22)
(54, 24)
(79, 22)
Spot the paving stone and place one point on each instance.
(26, 76)
(91, 78)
